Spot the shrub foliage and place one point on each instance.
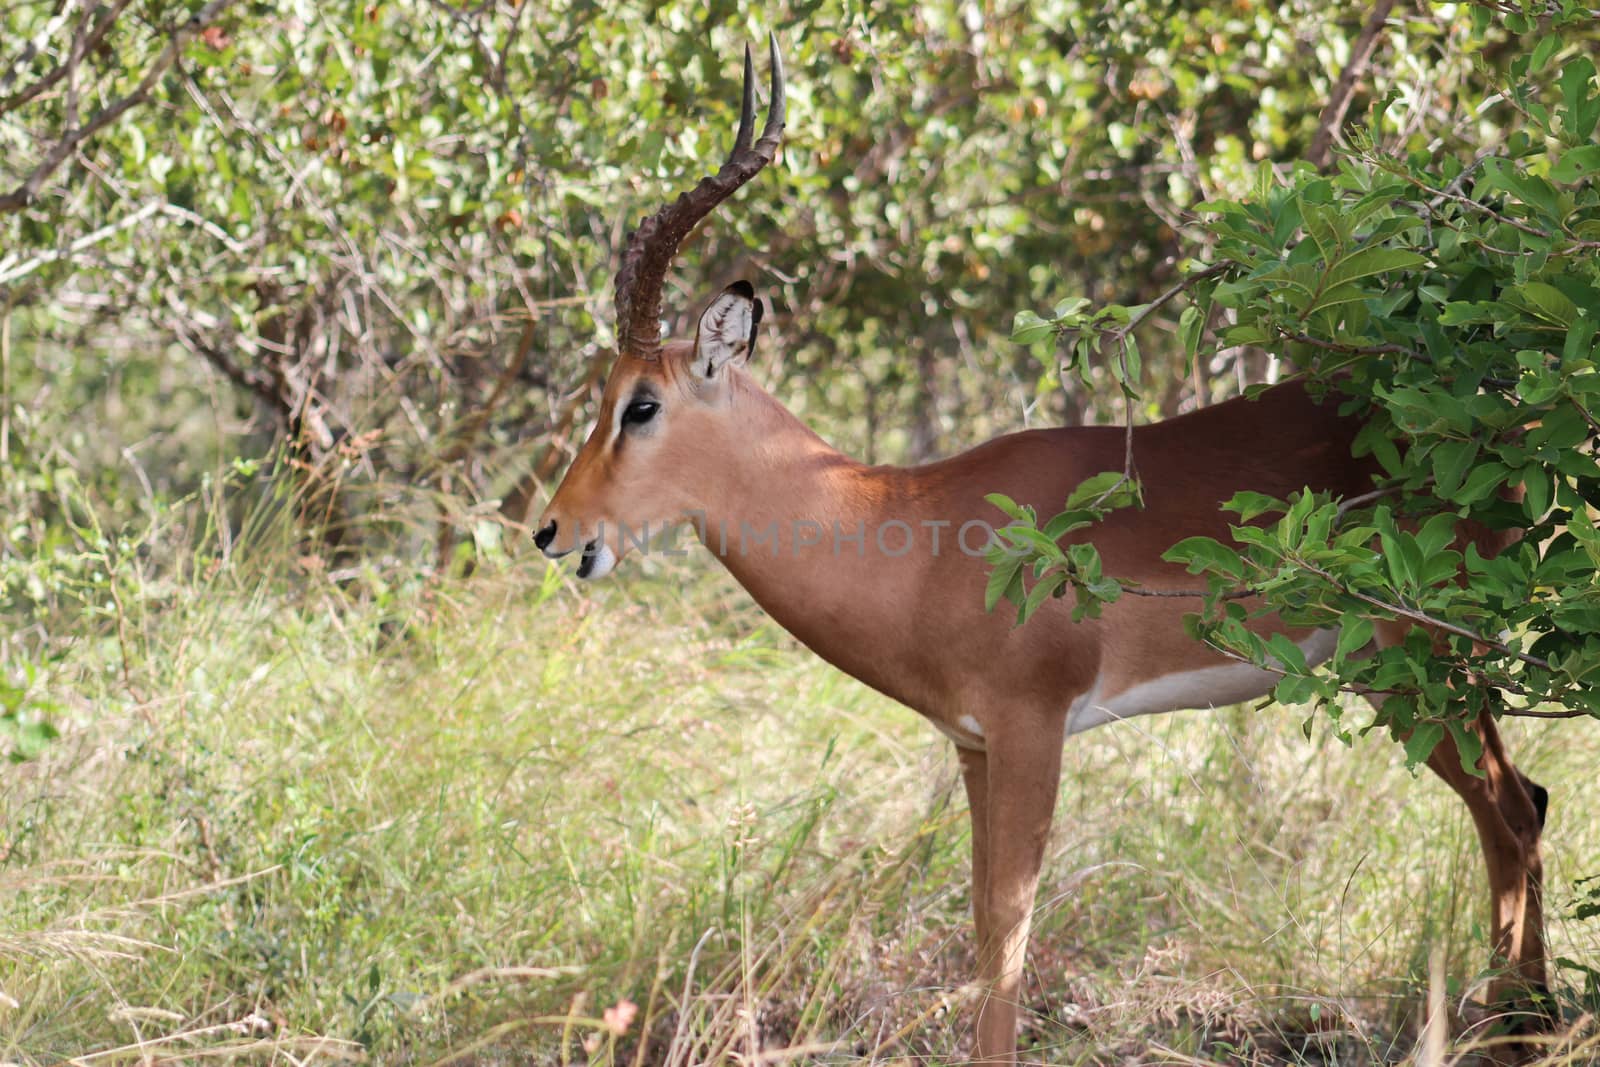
(1455, 303)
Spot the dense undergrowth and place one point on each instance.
(473, 822)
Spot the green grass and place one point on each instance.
(455, 823)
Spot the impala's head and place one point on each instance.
(663, 403)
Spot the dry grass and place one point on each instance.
(464, 824)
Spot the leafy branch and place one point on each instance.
(24, 195)
(1458, 307)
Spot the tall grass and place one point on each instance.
(474, 822)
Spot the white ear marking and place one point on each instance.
(726, 330)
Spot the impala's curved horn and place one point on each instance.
(652, 247)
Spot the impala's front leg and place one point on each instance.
(1024, 769)
(975, 775)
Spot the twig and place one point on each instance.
(1422, 617)
(1231, 594)
(10, 274)
(468, 436)
(83, 45)
(475, 422)
(1364, 498)
(1367, 692)
(1344, 90)
(25, 194)
(1352, 350)
(1182, 287)
(519, 501)
(5, 387)
(1529, 713)
(1120, 338)
(1587, 417)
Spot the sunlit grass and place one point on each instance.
(459, 822)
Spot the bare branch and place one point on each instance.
(474, 424)
(1361, 499)
(10, 273)
(1192, 594)
(1120, 338)
(1332, 117)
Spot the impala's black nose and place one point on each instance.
(542, 539)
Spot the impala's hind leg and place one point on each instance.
(1508, 810)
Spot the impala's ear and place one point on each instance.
(727, 330)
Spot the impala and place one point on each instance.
(685, 433)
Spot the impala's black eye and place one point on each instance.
(639, 412)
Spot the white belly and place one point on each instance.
(1209, 687)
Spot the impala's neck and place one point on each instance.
(777, 484)
(797, 522)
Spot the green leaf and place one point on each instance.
(1580, 340)
(1535, 192)
(1484, 478)
(1420, 745)
(1546, 302)
(1341, 294)
(1204, 553)
(1542, 52)
(1469, 745)
(1007, 573)
(1066, 522)
(1028, 327)
(1287, 653)
(1245, 334)
(1323, 225)
(1366, 262)
(1191, 325)
(1131, 359)
(1042, 590)
(1032, 541)
(1469, 313)
(1354, 633)
(1576, 164)
(1103, 491)
(1450, 462)
(1537, 484)
(1579, 111)
(1295, 689)
(1248, 504)
(1011, 507)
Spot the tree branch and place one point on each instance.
(1182, 287)
(24, 195)
(82, 45)
(473, 426)
(1424, 618)
(1332, 117)
(1352, 350)
(10, 273)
